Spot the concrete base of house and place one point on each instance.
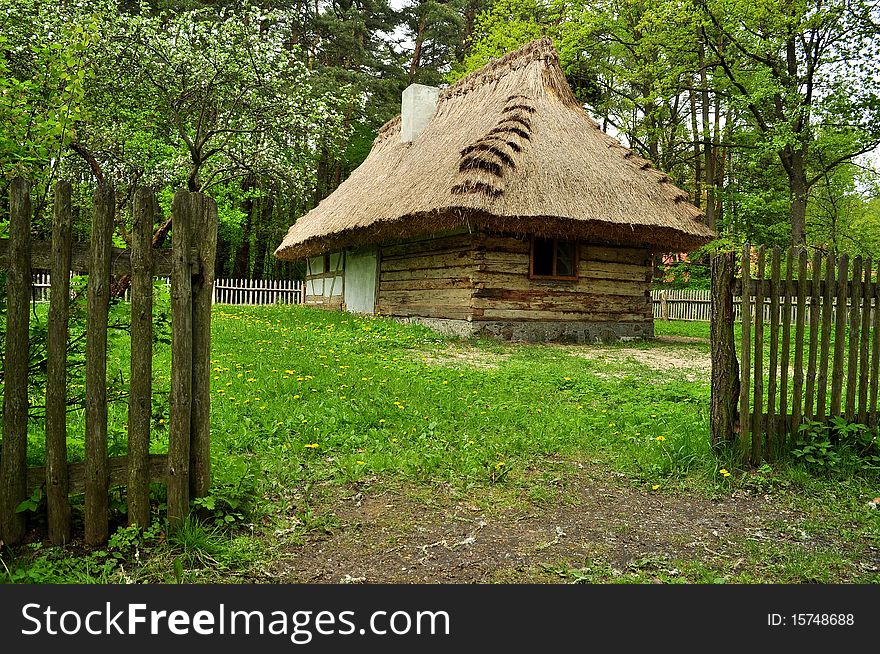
(541, 331)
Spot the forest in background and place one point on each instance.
(766, 112)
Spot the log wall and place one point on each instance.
(431, 278)
(613, 285)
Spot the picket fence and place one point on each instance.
(226, 291)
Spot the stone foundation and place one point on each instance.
(541, 331)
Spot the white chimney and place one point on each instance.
(418, 105)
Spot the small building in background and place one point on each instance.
(498, 207)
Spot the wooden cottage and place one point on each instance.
(497, 207)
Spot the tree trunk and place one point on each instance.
(416, 62)
(799, 190)
(725, 367)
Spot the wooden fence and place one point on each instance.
(814, 355)
(225, 291)
(189, 264)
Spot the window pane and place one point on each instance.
(565, 258)
(543, 261)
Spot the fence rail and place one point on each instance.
(225, 291)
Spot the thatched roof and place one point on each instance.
(508, 149)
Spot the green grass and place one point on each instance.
(304, 400)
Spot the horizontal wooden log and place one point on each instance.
(451, 296)
(447, 259)
(41, 258)
(636, 256)
(614, 271)
(584, 286)
(433, 273)
(425, 284)
(424, 246)
(76, 472)
(543, 300)
(493, 313)
(495, 243)
(426, 311)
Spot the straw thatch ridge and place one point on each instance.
(509, 148)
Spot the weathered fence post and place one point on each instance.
(181, 359)
(140, 392)
(205, 236)
(839, 334)
(13, 465)
(758, 399)
(725, 368)
(864, 379)
(664, 306)
(745, 352)
(96, 465)
(770, 429)
(827, 311)
(57, 500)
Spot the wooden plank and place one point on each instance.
(613, 271)
(181, 361)
(420, 246)
(118, 473)
(13, 463)
(120, 259)
(770, 440)
(839, 335)
(798, 385)
(875, 352)
(438, 273)
(426, 284)
(815, 302)
(867, 301)
(494, 313)
(57, 486)
(827, 314)
(433, 260)
(745, 355)
(612, 254)
(852, 359)
(426, 311)
(758, 397)
(140, 391)
(786, 331)
(521, 282)
(453, 296)
(97, 479)
(205, 232)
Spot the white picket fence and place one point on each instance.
(681, 304)
(226, 291)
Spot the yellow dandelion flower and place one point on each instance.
(312, 446)
(661, 438)
(655, 487)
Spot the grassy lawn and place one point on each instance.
(359, 449)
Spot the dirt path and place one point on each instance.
(598, 518)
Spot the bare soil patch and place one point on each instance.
(405, 535)
(691, 363)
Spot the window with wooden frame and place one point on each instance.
(553, 258)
